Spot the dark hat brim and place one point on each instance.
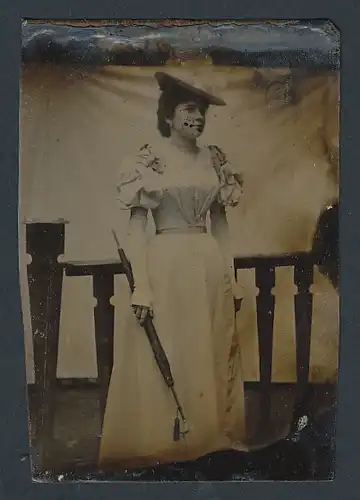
(167, 81)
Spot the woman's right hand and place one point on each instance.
(141, 302)
(142, 312)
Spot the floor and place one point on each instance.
(78, 426)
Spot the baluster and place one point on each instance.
(303, 279)
(237, 300)
(265, 303)
(45, 242)
(103, 286)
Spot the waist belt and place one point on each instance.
(182, 230)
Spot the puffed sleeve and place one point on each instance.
(138, 182)
(230, 180)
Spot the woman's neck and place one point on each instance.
(185, 144)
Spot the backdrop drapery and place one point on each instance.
(76, 125)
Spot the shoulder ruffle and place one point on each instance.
(138, 183)
(231, 181)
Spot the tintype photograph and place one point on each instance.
(178, 228)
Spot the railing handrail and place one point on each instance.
(88, 268)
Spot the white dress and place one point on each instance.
(194, 318)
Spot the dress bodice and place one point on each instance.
(179, 190)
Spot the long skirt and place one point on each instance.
(195, 321)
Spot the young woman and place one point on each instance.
(184, 280)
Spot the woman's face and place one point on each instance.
(188, 120)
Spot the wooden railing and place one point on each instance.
(45, 242)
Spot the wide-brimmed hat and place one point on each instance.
(167, 82)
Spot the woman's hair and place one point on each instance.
(168, 102)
